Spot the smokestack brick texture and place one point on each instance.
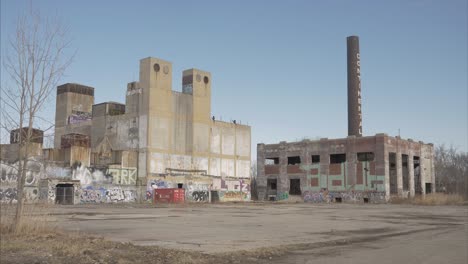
(354, 87)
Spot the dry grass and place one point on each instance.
(39, 241)
(431, 199)
(36, 219)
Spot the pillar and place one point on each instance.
(399, 172)
(411, 174)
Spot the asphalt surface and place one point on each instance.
(307, 233)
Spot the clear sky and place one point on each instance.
(280, 66)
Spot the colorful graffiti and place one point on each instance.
(231, 196)
(282, 196)
(92, 194)
(156, 184)
(349, 196)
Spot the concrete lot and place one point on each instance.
(307, 233)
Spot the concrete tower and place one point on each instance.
(74, 105)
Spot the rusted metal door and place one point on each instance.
(64, 194)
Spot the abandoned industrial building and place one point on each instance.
(158, 143)
(356, 168)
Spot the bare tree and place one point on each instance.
(451, 168)
(35, 61)
(253, 182)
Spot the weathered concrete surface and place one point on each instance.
(336, 233)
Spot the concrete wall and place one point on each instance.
(73, 113)
(203, 188)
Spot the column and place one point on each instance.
(399, 172)
(411, 173)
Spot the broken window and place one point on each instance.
(365, 156)
(271, 161)
(271, 184)
(337, 158)
(294, 160)
(315, 158)
(295, 186)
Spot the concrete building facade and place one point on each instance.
(352, 169)
(159, 138)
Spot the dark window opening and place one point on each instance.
(295, 186)
(64, 194)
(365, 156)
(392, 160)
(428, 187)
(393, 174)
(337, 158)
(405, 171)
(271, 184)
(315, 158)
(338, 199)
(180, 185)
(271, 161)
(366, 200)
(294, 160)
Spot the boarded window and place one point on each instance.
(337, 158)
(315, 158)
(271, 161)
(294, 160)
(295, 186)
(365, 156)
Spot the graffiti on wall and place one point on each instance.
(92, 175)
(227, 196)
(197, 192)
(8, 195)
(282, 196)
(34, 172)
(88, 175)
(92, 194)
(349, 196)
(78, 117)
(124, 176)
(156, 184)
(200, 196)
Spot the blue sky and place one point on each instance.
(280, 66)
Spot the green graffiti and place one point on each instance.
(282, 196)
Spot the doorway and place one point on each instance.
(271, 189)
(295, 186)
(64, 193)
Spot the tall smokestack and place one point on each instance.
(354, 87)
